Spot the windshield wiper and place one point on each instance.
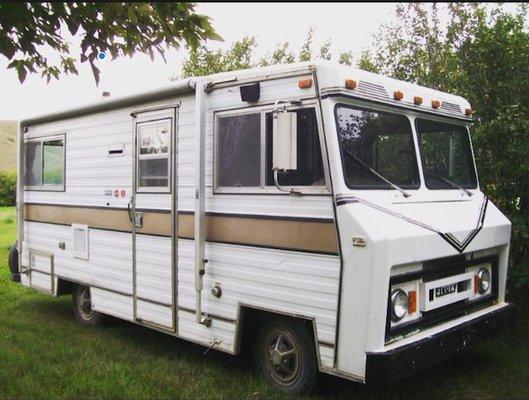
(374, 172)
(449, 182)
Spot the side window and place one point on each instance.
(44, 164)
(153, 143)
(310, 164)
(244, 152)
(239, 150)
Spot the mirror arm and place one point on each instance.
(292, 192)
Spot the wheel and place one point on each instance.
(82, 307)
(285, 355)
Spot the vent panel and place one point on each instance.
(372, 90)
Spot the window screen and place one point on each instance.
(53, 162)
(153, 154)
(239, 150)
(309, 160)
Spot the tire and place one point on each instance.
(82, 307)
(13, 262)
(285, 354)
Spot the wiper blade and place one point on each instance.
(374, 172)
(449, 182)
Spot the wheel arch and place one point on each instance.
(249, 318)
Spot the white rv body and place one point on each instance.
(326, 256)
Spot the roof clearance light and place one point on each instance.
(417, 100)
(305, 83)
(436, 104)
(398, 95)
(469, 111)
(350, 84)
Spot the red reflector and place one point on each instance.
(412, 301)
(436, 104)
(477, 283)
(398, 95)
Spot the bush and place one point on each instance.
(8, 188)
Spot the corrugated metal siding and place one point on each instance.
(284, 281)
(110, 257)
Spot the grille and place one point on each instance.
(372, 90)
(450, 107)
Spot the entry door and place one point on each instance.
(153, 215)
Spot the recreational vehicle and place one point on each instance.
(330, 217)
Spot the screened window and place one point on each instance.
(45, 164)
(446, 155)
(239, 150)
(244, 155)
(379, 141)
(153, 155)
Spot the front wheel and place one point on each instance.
(285, 354)
(82, 307)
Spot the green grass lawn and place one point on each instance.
(45, 354)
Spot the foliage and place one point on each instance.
(241, 55)
(481, 54)
(118, 28)
(8, 188)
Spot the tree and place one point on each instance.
(27, 30)
(481, 54)
(241, 54)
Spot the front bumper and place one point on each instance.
(407, 360)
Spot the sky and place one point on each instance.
(348, 26)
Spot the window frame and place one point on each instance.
(263, 188)
(422, 160)
(382, 110)
(153, 189)
(46, 187)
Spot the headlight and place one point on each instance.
(484, 280)
(399, 304)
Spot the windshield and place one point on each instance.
(446, 155)
(377, 141)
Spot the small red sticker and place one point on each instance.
(116, 193)
(123, 193)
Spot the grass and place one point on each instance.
(45, 354)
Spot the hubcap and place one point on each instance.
(85, 303)
(282, 357)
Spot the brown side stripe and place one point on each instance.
(310, 235)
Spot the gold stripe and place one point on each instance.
(288, 233)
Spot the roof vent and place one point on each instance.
(372, 90)
(450, 107)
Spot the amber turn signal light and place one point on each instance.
(469, 111)
(398, 95)
(477, 283)
(417, 100)
(305, 83)
(412, 301)
(350, 84)
(436, 104)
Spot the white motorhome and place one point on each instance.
(331, 216)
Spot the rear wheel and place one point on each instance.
(82, 307)
(285, 354)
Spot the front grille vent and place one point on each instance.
(372, 90)
(450, 107)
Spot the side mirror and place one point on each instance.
(285, 140)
